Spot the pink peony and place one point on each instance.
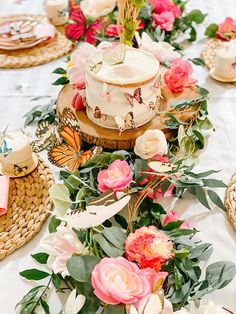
(173, 216)
(165, 20)
(160, 6)
(117, 177)
(116, 280)
(177, 78)
(149, 247)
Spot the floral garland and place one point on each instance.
(163, 20)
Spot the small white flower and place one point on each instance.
(74, 303)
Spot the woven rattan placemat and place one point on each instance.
(28, 207)
(58, 47)
(209, 52)
(230, 200)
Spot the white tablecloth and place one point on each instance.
(219, 153)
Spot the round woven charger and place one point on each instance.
(28, 207)
(58, 47)
(230, 200)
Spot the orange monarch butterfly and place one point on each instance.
(69, 154)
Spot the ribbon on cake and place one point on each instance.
(4, 191)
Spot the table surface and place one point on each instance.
(17, 87)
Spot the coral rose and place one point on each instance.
(151, 143)
(117, 177)
(116, 280)
(165, 20)
(160, 6)
(173, 216)
(177, 78)
(149, 247)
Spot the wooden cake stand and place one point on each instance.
(109, 138)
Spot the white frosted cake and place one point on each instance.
(122, 96)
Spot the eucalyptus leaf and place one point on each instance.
(201, 196)
(60, 196)
(108, 247)
(197, 61)
(220, 274)
(202, 251)
(116, 236)
(216, 199)
(80, 267)
(214, 183)
(196, 16)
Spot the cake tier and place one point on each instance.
(122, 96)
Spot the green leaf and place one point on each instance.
(193, 34)
(60, 196)
(34, 274)
(81, 235)
(56, 280)
(220, 274)
(116, 236)
(211, 30)
(45, 306)
(53, 224)
(41, 258)
(201, 141)
(178, 278)
(214, 183)
(59, 71)
(196, 16)
(181, 232)
(156, 207)
(216, 199)
(114, 309)
(181, 253)
(121, 221)
(108, 247)
(207, 173)
(61, 81)
(173, 225)
(197, 61)
(81, 267)
(202, 252)
(180, 294)
(30, 295)
(27, 308)
(201, 196)
(165, 186)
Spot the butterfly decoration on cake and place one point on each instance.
(47, 135)
(68, 154)
(95, 67)
(20, 171)
(126, 123)
(135, 97)
(106, 94)
(4, 149)
(78, 26)
(98, 114)
(114, 55)
(156, 85)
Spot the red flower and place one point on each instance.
(78, 27)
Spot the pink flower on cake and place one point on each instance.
(116, 280)
(79, 58)
(151, 143)
(78, 101)
(162, 51)
(149, 247)
(177, 78)
(160, 6)
(165, 20)
(227, 29)
(173, 216)
(116, 177)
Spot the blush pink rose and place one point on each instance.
(149, 248)
(116, 280)
(177, 77)
(117, 177)
(165, 20)
(173, 216)
(227, 29)
(160, 6)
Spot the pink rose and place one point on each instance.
(165, 20)
(177, 78)
(153, 276)
(227, 29)
(173, 216)
(160, 6)
(116, 280)
(117, 177)
(149, 247)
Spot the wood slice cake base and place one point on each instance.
(109, 138)
(106, 138)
